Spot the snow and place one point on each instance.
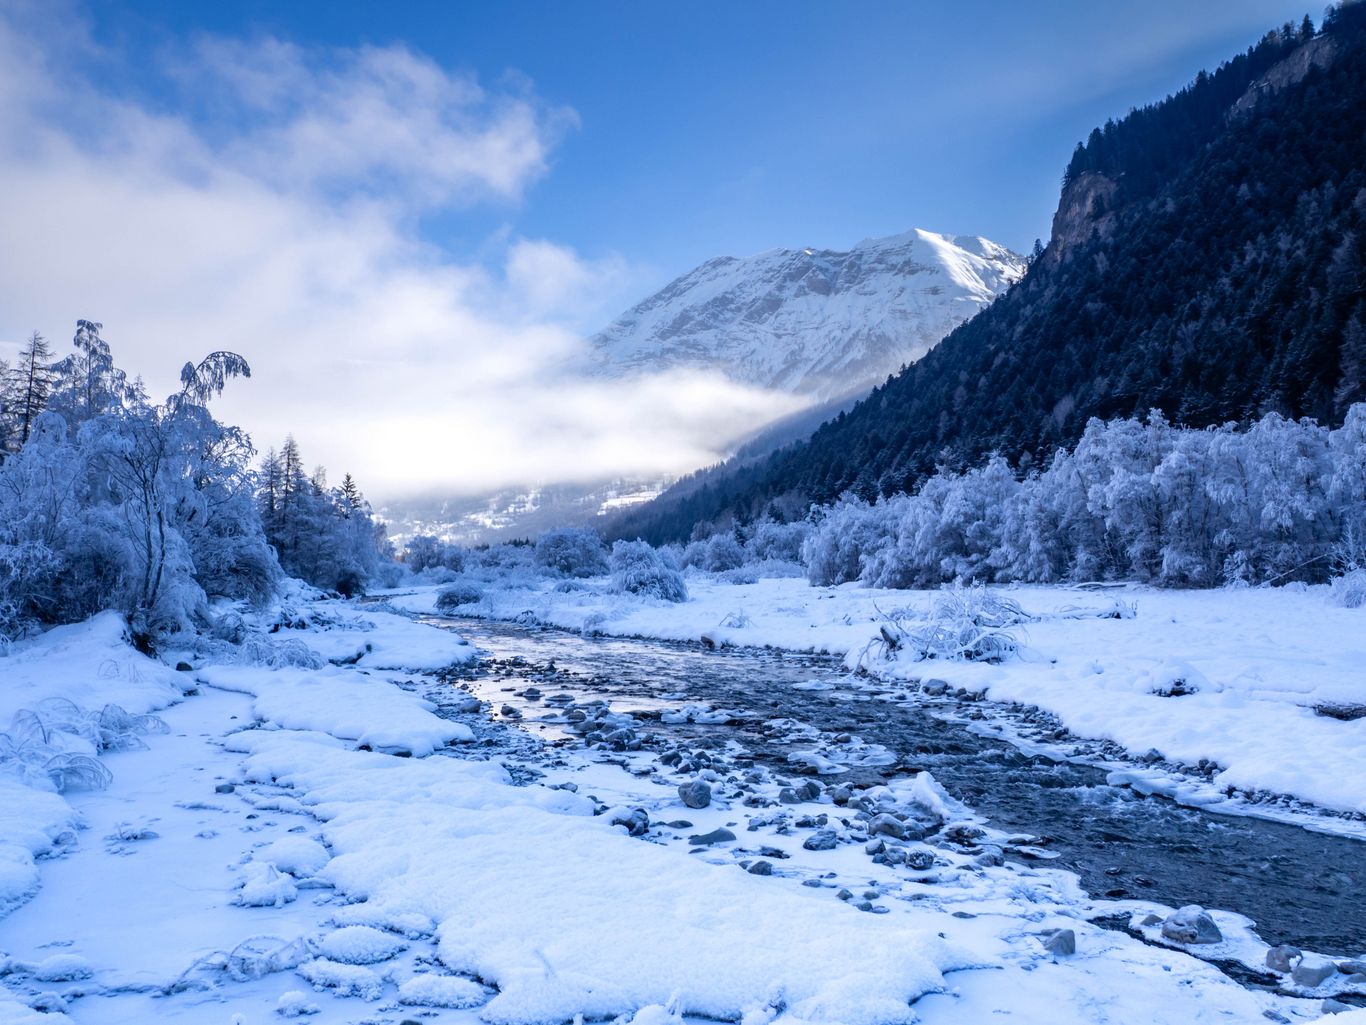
(297, 855)
(361, 944)
(88, 663)
(370, 710)
(441, 991)
(452, 883)
(816, 322)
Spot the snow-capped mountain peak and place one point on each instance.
(818, 322)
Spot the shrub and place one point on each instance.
(1348, 590)
(722, 552)
(639, 569)
(572, 552)
(457, 594)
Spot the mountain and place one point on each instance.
(814, 322)
(823, 324)
(1207, 259)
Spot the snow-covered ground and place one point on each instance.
(317, 826)
(1260, 665)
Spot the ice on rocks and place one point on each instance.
(263, 885)
(448, 991)
(345, 980)
(295, 1004)
(62, 968)
(360, 945)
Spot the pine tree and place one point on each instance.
(33, 376)
(351, 498)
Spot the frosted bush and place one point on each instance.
(288, 653)
(571, 552)
(252, 959)
(963, 624)
(780, 542)
(454, 595)
(722, 552)
(1348, 590)
(638, 568)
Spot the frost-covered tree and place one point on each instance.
(87, 384)
(137, 507)
(637, 568)
(572, 552)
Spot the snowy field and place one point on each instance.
(310, 824)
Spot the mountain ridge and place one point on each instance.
(823, 323)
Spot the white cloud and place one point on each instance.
(272, 211)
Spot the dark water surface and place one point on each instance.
(1299, 886)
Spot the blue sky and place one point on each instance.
(408, 216)
(731, 128)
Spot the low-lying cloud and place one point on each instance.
(268, 201)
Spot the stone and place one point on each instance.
(788, 796)
(721, 835)
(821, 840)
(934, 688)
(1151, 920)
(844, 895)
(1282, 958)
(809, 791)
(1191, 924)
(224, 788)
(1062, 943)
(761, 868)
(636, 821)
(695, 794)
(1312, 971)
(1331, 1006)
(1351, 967)
(991, 857)
(920, 859)
(184, 667)
(841, 795)
(887, 825)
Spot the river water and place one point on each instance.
(1300, 886)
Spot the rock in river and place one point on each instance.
(1191, 924)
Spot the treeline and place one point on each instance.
(1135, 500)
(1232, 285)
(110, 500)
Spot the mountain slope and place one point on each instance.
(815, 322)
(1208, 259)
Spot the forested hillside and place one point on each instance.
(1208, 260)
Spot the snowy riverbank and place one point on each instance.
(1267, 672)
(319, 827)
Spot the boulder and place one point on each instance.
(1191, 924)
